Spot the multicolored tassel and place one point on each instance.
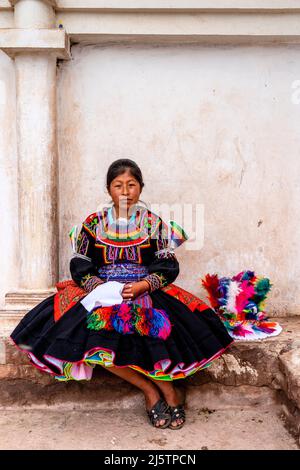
(129, 318)
(240, 303)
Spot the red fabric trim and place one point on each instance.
(68, 294)
(190, 300)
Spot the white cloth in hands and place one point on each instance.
(108, 293)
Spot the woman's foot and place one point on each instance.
(156, 409)
(177, 416)
(175, 399)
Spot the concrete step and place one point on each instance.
(239, 428)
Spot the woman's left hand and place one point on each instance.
(134, 289)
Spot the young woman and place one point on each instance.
(155, 334)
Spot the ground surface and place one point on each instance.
(239, 428)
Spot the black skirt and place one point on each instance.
(68, 350)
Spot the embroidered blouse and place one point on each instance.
(104, 243)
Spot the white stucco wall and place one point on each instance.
(8, 179)
(208, 125)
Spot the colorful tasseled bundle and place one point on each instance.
(129, 318)
(240, 303)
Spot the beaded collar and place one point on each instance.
(138, 228)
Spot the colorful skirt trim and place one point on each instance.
(83, 370)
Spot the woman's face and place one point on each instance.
(124, 190)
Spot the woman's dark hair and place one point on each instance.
(118, 167)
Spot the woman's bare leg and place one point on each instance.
(151, 393)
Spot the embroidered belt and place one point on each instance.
(123, 272)
(127, 272)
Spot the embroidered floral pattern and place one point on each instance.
(89, 282)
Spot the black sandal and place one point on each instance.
(177, 412)
(160, 411)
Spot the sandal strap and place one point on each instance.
(159, 411)
(177, 412)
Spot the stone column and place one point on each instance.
(37, 169)
(35, 48)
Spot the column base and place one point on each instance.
(25, 300)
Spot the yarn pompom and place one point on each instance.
(128, 318)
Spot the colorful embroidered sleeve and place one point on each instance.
(164, 267)
(82, 268)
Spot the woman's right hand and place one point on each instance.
(133, 289)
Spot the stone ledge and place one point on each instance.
(245, 363)
(91, 22)
(173, 5)
(178, 5)
(255, 362)
(105, 395)
(289, 363)
(201, 27)
(14, 41)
